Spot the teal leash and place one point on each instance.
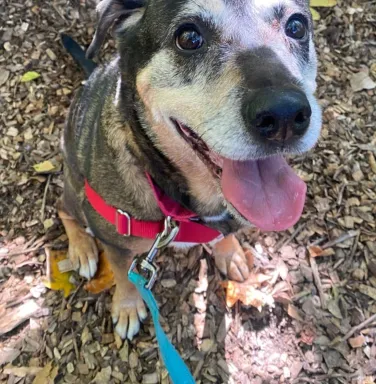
(175, 365)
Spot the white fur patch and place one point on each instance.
(180, 245)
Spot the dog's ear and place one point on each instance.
(112, 12)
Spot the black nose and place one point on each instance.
(278, 114)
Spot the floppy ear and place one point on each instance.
(111, 13)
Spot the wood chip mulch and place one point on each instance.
(322, 329)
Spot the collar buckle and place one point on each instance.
(144, 264)
(119, 224)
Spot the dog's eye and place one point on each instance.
(188, 38)
(296, 28)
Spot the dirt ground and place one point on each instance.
(321, 325)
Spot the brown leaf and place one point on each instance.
(361, 80)
(257, 279)
(295, 313)
(103, 279)
(357, 342)
(247, 294)
(367, 290)
(21, 371)
(46, 375)
(316, 251)
(282, 298)
(308, 335)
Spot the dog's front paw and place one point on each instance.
(83, 254)
(230, 259)
(128, 309)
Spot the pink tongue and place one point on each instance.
(266, 192)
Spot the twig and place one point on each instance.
(59, 13)
(44, 199)
(319, 379)
(18, 301)
(75, 346)
(354, 248)
(23, 252)
(284, 241)
(30, 242)
(341, 239)
(359, 327)
(306, 380)
(75, 293)
(316, 277)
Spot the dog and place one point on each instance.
(199, 108)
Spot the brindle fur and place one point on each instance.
(116, 129)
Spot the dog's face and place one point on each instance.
(227, 88)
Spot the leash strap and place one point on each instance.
(175, 365)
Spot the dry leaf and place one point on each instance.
(48, 166)
(357, 342)
(282, 298)
(247, 294)
(55, 279)
(323, 3)
(367, 290)
(308, 335)
(46, 375)
(4, 75)
(316, 251)
(320, 3)
(315, 15)
(103, 279)
(257, 279)
(361, 80)
(334, 309)
(372, 162)
(7, 355)
(29, 76)
(295, 313)
(21, 371)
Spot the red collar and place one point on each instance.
(189, 232)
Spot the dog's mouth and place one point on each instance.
(212, 160)
(267, 192)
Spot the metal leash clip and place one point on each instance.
(144, 265)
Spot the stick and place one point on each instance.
(23, 252)
(316, 277)
(44, 199)
(341, 239)
(359, 327)
(283, 242)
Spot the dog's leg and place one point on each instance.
(231, 260)
(83, 251)
(128, 308)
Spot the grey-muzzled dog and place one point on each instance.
(207, 97)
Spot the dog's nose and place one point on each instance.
(278, 114)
